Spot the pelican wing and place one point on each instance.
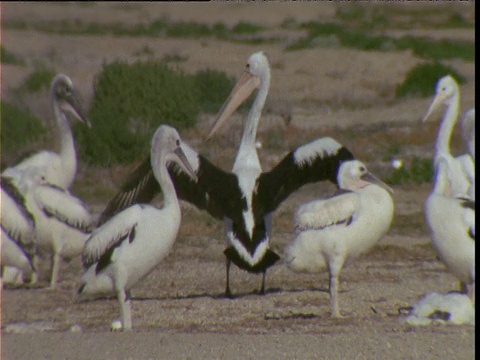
(17, 221)
(316, 161)
(468, 216)
(319, 214)
(57, 202)
(110, 235)
(211, 192)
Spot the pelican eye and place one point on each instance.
(247, 66)
(177, 142)
(362, 169)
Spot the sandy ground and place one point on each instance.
(179, 311)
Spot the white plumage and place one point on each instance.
(62, 222)
(17, 224)
(450, 221)
(453, 308)
(127, 247)
(330, 233)
(461, 168)
(59, 169)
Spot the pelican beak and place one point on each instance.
(183, 163)
(72, 105)
(437, 101)
(242, 90)
(369, 177)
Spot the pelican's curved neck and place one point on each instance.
(67, 144)
(159, 168)
(446, 128)
(247, 149)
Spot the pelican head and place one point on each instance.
(166, 139)
(446, 90)
(353, 175)
(65, 95)
(256, 73)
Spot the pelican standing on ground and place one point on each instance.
(330, 233)
(127, 247)
(452, 225)
(461, 168)
(18, 226)
(246, 197)
(62, 221)
(59, 169)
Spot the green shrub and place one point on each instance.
(19, 129)
(420, 171)
(213, 88)
(8, 58)
(130, 102)
(38, 80)
(422, 79)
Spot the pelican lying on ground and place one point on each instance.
(246, 197)
(18, 226)
(330, 233)
(62, 222)
(59, 169)
(452, 225)
(461, 168)
(127, 247)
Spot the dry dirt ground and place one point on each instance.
(179, 311)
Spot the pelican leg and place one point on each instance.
(228, 293)
(56, 259)
(334, 270)
(125, 309)
(264, 281)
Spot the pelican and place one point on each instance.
(18, 226)
(62, 221)
(468, 131)
(126, 248)
(330, 233)
(462, 167)
(452, 225)
(246, 197)
(59, 169)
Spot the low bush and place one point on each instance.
(19, 130)
(422, 79)
(132, 100)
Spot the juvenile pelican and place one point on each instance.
(62, 221)
(330, 233)
(59, 169)
(452, 225)
(461, 168)
(246, 197)
(127, 248)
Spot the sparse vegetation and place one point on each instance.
(8, 58)
(38, 80)
(422, 79)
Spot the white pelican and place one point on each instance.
(59, 169)
(452, 225)
(330, 233)
(62, 221)
(461, 168)
(468, 131)
(18, 226)
(126, 248)
(246, 197)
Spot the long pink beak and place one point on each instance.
(437, 101)
(242, 90)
